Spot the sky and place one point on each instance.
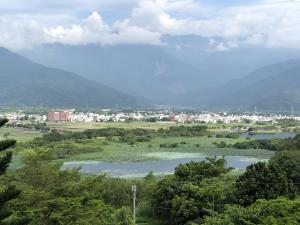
(227, 24)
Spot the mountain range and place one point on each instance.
(275, 87)
(179, 73)
(139, 70)
(25, 83)
(184, 72)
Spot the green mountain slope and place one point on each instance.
(25, 83)
(274, 87)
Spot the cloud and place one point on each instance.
(54, 6)
(220, 46)
(273, 23)
(94, 30)
(15, 34)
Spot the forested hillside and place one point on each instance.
(25, 83)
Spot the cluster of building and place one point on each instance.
(239, 118)
(153, 116)
(21, 116)
(103, 116)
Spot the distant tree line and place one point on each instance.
(272, 145)
(233, 135)
(31, 126)
(124, 135)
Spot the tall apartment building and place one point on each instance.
(59, 115)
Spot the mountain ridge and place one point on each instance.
(26, 83)
(173, 73)
(275, 86)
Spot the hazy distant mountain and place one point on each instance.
(273, 87)
(25, 83)
(141, 70)
(173, 73)
(223, 66)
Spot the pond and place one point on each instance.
(140, 169)
(268, 136)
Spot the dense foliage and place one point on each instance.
(257, 144)
(206, 192)
(289, 162)
(263, 181)
(54, 196)
(288, 123)
(228, 135)
(272, 145)
(273, 212)
(8, 191)
(192, 191)
(130, 136)
(31, 126)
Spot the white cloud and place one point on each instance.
(220, 46)
(274, 23)
(52, 6)
(20, 34)
(94, 30)
(91, 30)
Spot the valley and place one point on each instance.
(149, 112)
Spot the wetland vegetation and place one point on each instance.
(203, 189)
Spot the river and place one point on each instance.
(140, 169)
(269, 136)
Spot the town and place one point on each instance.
(160, 116)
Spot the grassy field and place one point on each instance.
(79, 126)
(158, 148)
(115, 151)
(19, 134)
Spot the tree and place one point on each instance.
(9, 192)
(197, 171)
(53, 196)
(289, 161)
(124, 216)
(191, 192)
(273, 212)
(263, 181)
(75, 211)
(115, 192)
(291, 143)
(196, 201)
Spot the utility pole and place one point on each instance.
(133, 188)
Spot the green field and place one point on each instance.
(115, 151)
(80, 126)
(19, 134)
